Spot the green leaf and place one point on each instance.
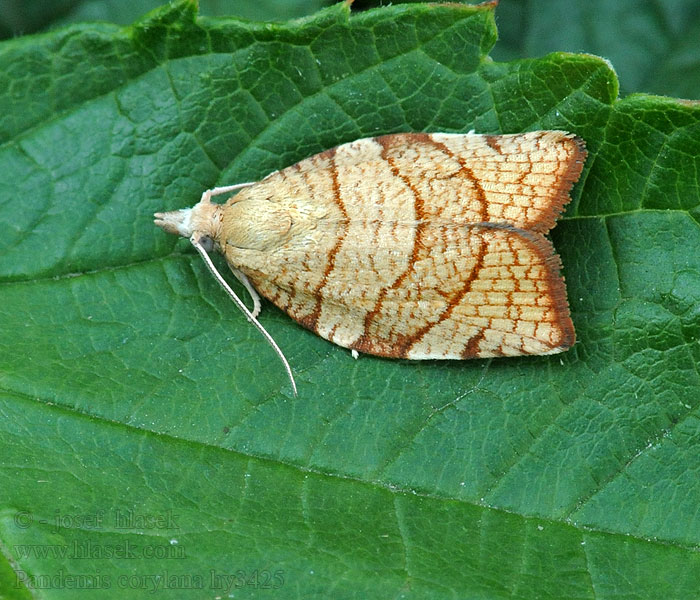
(148, 427)
(652, 45)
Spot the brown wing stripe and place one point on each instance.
(405, 342)
(410, 341)
(471, 348)
(493, 143)
(364, 341)
(311, 321)
(457, 298)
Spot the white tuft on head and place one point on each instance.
(178, 222)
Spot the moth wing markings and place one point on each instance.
(362, 189)
(335, 299)
(527, 176)
(291, 275)
(521, 180)
(499, 294)
(516, 303)
(337, 306)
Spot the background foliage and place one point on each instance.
(652, 45)
(129, 383)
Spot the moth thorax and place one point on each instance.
(255, 224)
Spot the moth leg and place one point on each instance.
(355, 354)
(251, 290)
(217, 191)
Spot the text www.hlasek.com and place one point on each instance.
(89, 550)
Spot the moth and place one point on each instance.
(414, 245)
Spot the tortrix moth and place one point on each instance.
(415, 245)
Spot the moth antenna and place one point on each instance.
(195, 241)
(217, 191)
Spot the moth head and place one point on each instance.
(202, 218)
